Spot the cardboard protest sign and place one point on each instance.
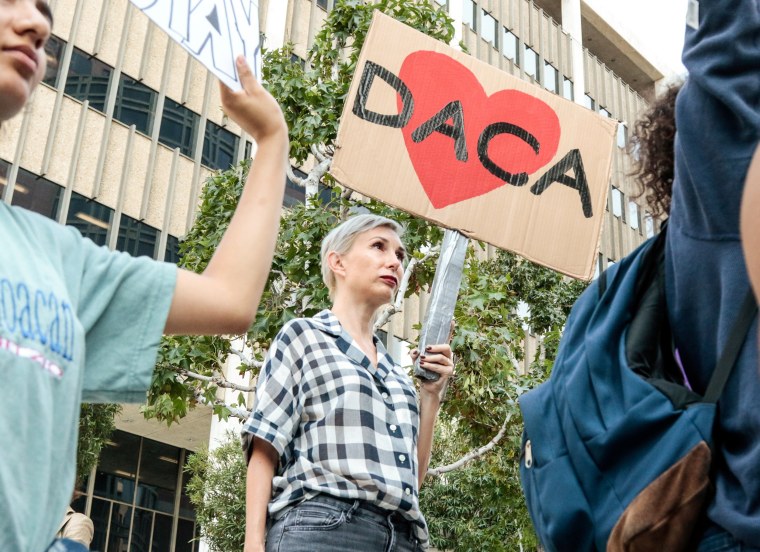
(438, 133)
(215, 32)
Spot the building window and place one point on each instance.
(610, 262)
(597, 266)
(443, 3)
(510, 46)
(136, 238)
(91, 218)
(322, 4)
(88, 80)
(530, 62)
(589, 102)
(36, 193)
(294, 193)
(178, 127)
(171, 255)
(551, 78)
(604, 112)
(648, 225)
(53, 52)
(31, 191)
(157, 484)
(219, 147)
(622, 135)
(633, 214)
(489, 28)
(469, 13)
(567, 89)
(298, 60)
(617, 202)
(135, 497)
(135, 104)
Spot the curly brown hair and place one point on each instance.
(651, 147)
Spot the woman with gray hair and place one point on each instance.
(338, 441)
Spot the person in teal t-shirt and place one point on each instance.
(80, 322)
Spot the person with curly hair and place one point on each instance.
(651, 147)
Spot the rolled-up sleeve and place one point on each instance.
(123, 303)
(277, 410)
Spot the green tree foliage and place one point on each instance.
(312, 98)
(478, 506)
(96, 424)
(215, 487)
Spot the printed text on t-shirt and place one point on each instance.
(37, 315)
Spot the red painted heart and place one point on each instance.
(512, 133)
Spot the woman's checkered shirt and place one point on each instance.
(341, 426)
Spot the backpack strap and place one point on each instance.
(650, 267)
(734, 344)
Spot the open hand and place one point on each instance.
(253, 108)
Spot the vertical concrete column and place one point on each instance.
(455, 11)
(571, 23)
(220, 428)
(274, 26)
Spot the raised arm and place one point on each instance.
(225, 297)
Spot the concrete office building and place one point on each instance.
(126, 127)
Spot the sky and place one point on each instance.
(655, 27)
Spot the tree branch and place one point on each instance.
(311, 182)
(345, 195)
(393, 308)
(318, 153)
(297, 180)
(471, 455)
(240, 413)
(245, 359)
(218, 381)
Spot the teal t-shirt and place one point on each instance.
(77, 323)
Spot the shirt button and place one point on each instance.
(407, 491)
(384, 395)
(393, 427)
(401, 457)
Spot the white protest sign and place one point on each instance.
(215, 32)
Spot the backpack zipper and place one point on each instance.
(528, 455)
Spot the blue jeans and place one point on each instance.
(324, 523)
(717, 539)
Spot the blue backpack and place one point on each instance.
(617, 447)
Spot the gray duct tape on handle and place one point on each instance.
(443, 296)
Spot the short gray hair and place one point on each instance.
(342, 237)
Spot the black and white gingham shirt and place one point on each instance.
(341, 426)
